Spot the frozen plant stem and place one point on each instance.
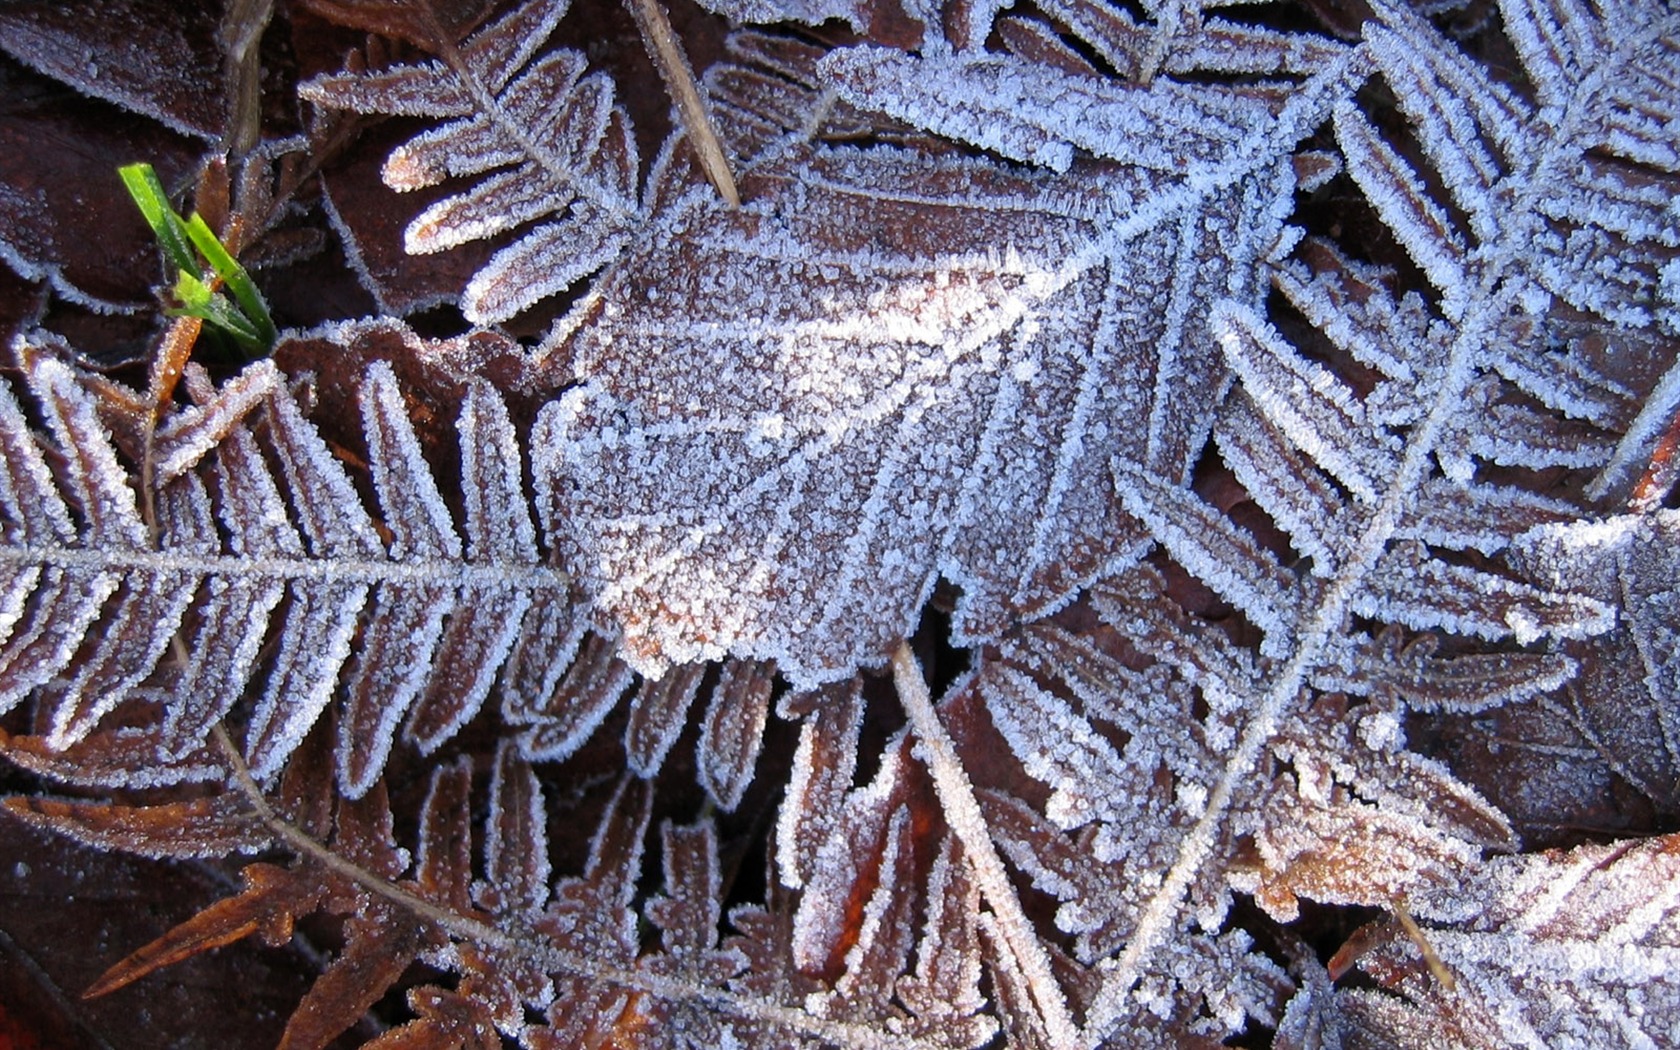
(667, 54)
(962, 813)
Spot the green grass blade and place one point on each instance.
(233, 275)
(197, 300)
(149, 196)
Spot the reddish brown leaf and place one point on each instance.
(159, 60)
(53, 197)
(272, 901)
(382, 942)
(431, 24)
(733, 729)
(448, 1020)
(444, 865)
(204, 827)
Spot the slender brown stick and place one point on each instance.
(1430, 959)
(962, 813)
(667, 54)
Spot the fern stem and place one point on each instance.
(439, 573)
(523, 945)
(962, 813)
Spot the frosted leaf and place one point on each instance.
(823, 766)
(1517, 435)
(885, 368)
(884, 936)
(33, 511)
(1212, 45)
(116, 758)
(733, 730)
(216, 826)
(1364, 822)
(1350, 304)
(498, 512)
(95, 480)
(1037, 115)
(658, 715)
(1477, 516)
(1437, 88)
(1622, 706)
(688, 915)
(687, 918)
(1398, 193)
(516, 861)
(1424, 592)
(481, 630)
(943, 992)
(567, 716)
(1042, 45)
(185, 437)
(42, 645)
(1639, 445)
(1055, 746)
(844, 863)
(323, 499)
(1312, 407)
(1137, 602)
(1566, 375)
(542, 263)
(316, 632)
(443, 861)
(420, 523)
(1284, 481)
(1387, 665)
(484, 626)
(386, 674)
(1201, 983)
(140, 626)
(807, 12)
(1216, 550)
(1600, 233)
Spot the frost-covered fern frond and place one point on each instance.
(1126, 730)
(1041, 101)
(1568, 194)
(266, 590)
(544, 140)
(275, 575)
(1548, 949)
(522, 949)
(1397, 455)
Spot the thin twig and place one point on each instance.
(1415, 933)
(667, 54)
(962, 813)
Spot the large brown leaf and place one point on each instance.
(885, 369)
